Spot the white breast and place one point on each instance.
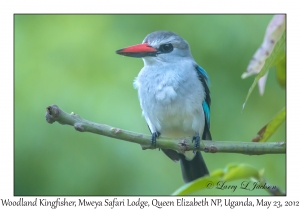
(171, 100)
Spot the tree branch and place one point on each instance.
(54, 113)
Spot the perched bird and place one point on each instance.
(174, 96)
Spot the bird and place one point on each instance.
(174, 96)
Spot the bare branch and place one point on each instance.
(54, 113)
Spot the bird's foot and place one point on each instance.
(196, 139)
(155, 135)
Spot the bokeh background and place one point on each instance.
(70, 60)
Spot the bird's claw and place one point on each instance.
(155, 135)
(196, 139)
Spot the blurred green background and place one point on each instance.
(70, 60)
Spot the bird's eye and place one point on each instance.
(165, 48)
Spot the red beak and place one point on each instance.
(138, 51)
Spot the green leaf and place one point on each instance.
(281, 72)
(232, 172)
(277, 54)
(241, 171)
(267, 131)
(199, 184)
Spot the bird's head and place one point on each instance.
(159, 46)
